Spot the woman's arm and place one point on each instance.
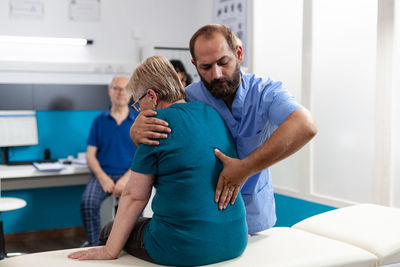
(134, 199)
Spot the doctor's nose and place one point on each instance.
(216, 72)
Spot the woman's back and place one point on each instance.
(187, 228)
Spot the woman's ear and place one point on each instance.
(152, 95)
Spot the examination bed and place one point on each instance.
(360, 236)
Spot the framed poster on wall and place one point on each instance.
(233, 14)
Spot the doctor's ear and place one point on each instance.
(239, 52)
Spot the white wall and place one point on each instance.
(124, 27)
(277, 45)
(343, 86)
(396, 107)
(339, 60)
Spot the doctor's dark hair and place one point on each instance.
(158, 74)
(208, 32)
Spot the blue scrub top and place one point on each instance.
(259, 107)
(115, 147)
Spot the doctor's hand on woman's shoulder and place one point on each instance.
(146, 129)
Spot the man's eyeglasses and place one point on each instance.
(135, 105)
(117, 88)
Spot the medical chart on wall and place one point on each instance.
(233, 14)
(27, 9)
(84, 10)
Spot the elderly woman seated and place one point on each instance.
(187, 227)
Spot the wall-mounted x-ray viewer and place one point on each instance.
(176, 53)
(17, 128)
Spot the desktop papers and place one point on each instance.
(79, 161)
(48, 166)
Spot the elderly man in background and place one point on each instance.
(109, 155)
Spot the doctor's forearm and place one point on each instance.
(296, 131)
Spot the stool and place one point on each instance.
(108, 209)
(6, 204)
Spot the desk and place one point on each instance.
(26, 176)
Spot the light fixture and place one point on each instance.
(45, 40)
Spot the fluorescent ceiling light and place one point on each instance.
(45, 40)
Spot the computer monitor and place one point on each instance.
(17, 128)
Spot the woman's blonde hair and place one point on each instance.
(156, 73)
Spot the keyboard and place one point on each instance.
(48, 166)
(30, 162)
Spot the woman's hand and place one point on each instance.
(97, 253)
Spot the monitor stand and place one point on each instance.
(4, 155)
